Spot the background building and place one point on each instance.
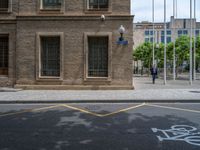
(65, 44)
(143, 31)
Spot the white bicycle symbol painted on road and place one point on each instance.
(185, 133)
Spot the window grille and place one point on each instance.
(4, 5)
(50, 56)
(98, 57)
(52, 4)
(3, 55)
(98, 4)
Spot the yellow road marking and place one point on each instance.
(97, 114)
(29, 110)
(123, 110)
(82, 110)
(15, 113)
(174, 108)
(71, 107)
(44, 108)
(103, 115)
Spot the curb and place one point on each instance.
(96, 101)
(9, 90)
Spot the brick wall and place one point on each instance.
(9, 29)
(73, 49)
(72, 7)
(26, 19)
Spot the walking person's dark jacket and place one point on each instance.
(154, 73)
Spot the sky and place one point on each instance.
(142, 9)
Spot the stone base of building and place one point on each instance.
(5, 82)
(72, 87)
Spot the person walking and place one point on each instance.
(154, 73)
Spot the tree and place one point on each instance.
(182, 50)
(144, 53)
(159, 55)
(198, 52)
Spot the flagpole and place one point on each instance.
(194, 65)
(190, 80)
(176, 8)
(165, 65)
(174, 43)
(153, 33)
(174, 3)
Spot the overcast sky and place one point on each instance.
(142, 9)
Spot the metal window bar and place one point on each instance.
(98, 4)
(98, 57)
(4, 4)
(50, 56)
(52, 4)
(4, 55)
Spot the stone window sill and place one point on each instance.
(5, 12)
(49, 79)
(3, 77)
(97, 12)
(98, 79)
(51, 11)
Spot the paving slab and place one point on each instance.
(145, 91)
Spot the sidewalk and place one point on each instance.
(174, 91)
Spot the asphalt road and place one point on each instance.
(100, 127)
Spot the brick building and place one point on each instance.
(65, 44)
